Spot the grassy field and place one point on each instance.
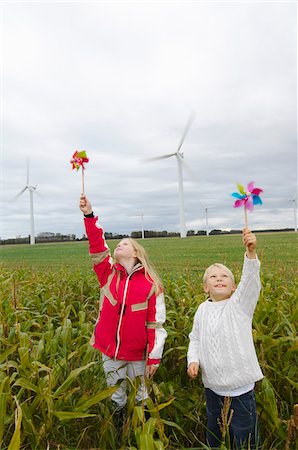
(52, 388)
(168, 254)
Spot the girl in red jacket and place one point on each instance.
(129, 331)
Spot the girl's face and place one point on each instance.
(219, 285)
(125, 250)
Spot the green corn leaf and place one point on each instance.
(159, 445)
(149, 426)
(160, 406)
(146, 442)
(3, 402)
(137, 419)
(70, 415)
(173, 425)
(8, 352)
(16, 438)
(96, 398)
(71, 378)
(27, 385)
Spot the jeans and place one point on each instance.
(243, 429)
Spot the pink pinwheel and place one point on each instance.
(247, 198)
(78, 159)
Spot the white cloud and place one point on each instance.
(120, 79)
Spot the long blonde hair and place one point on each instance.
(142, 257)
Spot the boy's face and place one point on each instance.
(219, 285)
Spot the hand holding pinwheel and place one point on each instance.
(247, 198)
(78, 159)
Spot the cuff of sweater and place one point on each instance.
(154, 362)
(88, 216)
(251, 264)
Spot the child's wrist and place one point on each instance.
(251, 254)
(88, 215)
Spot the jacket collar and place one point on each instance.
(122, 269)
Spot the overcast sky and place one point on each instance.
(120, 80)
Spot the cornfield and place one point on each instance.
(52, 389)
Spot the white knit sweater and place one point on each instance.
(221, 338)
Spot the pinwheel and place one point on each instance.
(78, 159)
(247, 198)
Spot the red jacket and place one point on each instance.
(129, 325)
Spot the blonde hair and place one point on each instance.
(142, 257)
(220, 266)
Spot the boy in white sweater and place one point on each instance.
(221, 344)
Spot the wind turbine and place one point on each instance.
(295, 212)
(31, 190)
(179, 158)
(207, 226)
(142, 222)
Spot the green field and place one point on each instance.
(52, 388)
(167, 254)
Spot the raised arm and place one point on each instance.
(248, 290)
(85, 205)
(98, 249)
(250, 242)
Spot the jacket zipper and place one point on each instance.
(121, 312)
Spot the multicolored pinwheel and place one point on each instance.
(78, 159)
(247, 198)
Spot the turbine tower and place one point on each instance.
(295, 212)
(142, 222)
(207, 226)
(31, 190)
(179, 158)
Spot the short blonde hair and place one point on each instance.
(220, 266)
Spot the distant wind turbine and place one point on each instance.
(295, 212)
(31, 190)
(207, 226)
(142, 222)
(179, 158)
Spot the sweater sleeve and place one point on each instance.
(248, 290)
(194, 342)
(156, 334)
(98, 250)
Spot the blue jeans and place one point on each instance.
(243, 427)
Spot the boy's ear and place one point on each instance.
(234, 287)
(205, 288)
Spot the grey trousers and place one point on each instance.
(116, 370)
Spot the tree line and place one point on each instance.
(58, 237)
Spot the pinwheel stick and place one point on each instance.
(83, 181)
(245, 217)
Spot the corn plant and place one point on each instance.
(52, 385)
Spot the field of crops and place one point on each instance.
(52, 389)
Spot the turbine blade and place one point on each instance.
(159, 157)
(190, 172)
(188, 125)
(36, 192)
(20, 193)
